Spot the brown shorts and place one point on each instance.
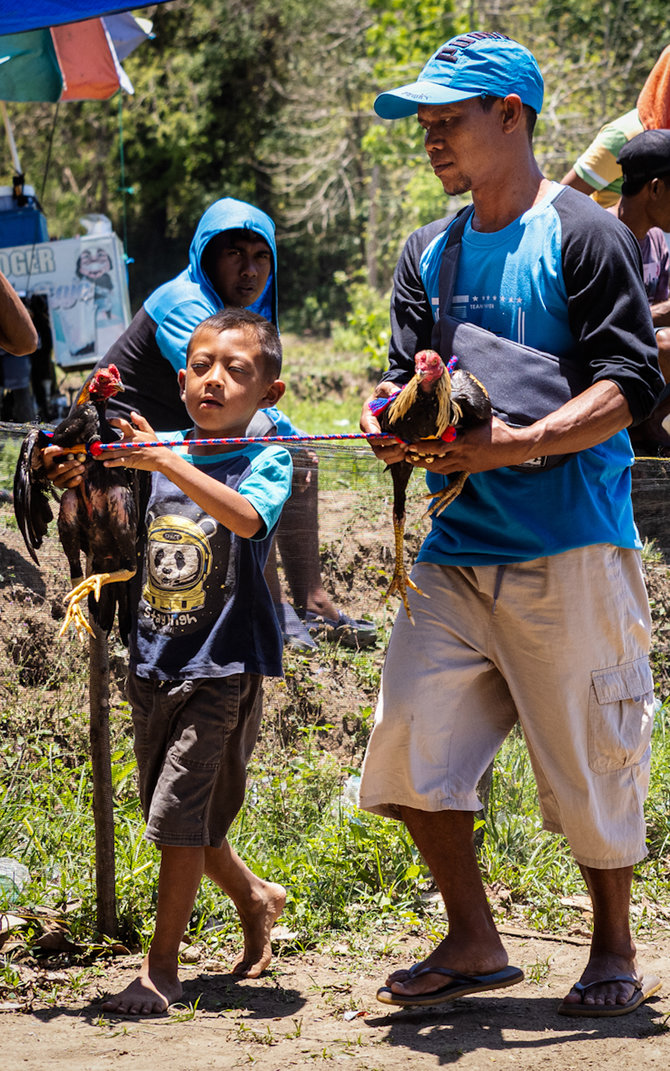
(193, 740)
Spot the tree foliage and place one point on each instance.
(272, 103)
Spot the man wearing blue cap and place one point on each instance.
(537, 611)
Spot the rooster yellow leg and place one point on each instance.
(75, 617)
(91, 584)
(447, 495)
(401, 580)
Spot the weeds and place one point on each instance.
(184, 1013)
(248, 1034)
(346, 872)
(9, 455)
(537, 972)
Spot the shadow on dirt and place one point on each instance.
(449, 1031)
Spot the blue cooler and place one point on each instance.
(21, 224)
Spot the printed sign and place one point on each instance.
(84, 280)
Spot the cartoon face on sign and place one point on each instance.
(93, 264)
(179, 561)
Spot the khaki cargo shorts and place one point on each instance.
(559, 644)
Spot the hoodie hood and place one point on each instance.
(193, 287)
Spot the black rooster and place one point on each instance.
(98, 518)
(432, 402)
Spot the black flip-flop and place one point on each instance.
(349, 631)
(644, 988)
(461, 985)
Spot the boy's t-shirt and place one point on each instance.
(203, 607)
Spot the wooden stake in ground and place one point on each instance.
(101, 762)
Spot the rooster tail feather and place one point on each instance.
(448, 412)
(403, 401)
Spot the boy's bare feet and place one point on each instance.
(151, 993)
(257, 919)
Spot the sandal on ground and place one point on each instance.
(293, 630)
(461, 985)
(644, 988)
(348, 631)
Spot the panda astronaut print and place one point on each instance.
(179, 561)
(203, 607)
(188, 574)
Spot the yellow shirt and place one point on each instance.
(598, 166)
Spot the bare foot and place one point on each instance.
(257, 921)
(599, 969)
(151, 993)
(323, 606)
(467, 960)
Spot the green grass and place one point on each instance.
(325, 386)
(9, 453)
(347, 872)
(295, 828)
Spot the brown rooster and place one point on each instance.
(98, 518)
(433, 402)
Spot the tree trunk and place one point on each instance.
(103, 806)
(372, 238)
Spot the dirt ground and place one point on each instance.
(320, 1010)
(313, 1010)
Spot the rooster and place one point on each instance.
(433, 405)
(97, 518)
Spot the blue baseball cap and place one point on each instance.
(476, 64)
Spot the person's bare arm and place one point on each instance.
(225, 505)
(660, 314)
(17, 331)
(584, 421)
(577, 183)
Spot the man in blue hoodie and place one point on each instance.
(232, 234)
(232, 261)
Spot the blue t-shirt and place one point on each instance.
(203, 607)
(530, 282)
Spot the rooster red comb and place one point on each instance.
(428, 364)
(104, 383)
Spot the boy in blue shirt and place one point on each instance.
(204, 637)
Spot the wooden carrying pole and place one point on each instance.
(103, 802)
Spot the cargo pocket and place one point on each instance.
(620, 715)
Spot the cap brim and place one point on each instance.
(404, 101)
